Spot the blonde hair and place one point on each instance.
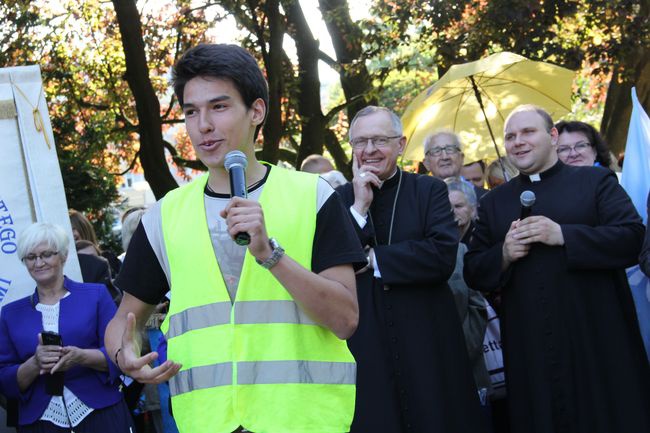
(494, 169)
(129, 225)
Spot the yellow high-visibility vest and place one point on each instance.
(259, 362)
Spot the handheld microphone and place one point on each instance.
(236, 163)
(527, 200)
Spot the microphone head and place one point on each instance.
(235, 158)
(527, 198)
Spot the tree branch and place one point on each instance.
(180, 161)
(173, 121)
(130, 167)
(169, 108)
(204, 6)
(293, 142)
(329, 61)
(330, 114)
(283, 154)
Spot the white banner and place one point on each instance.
(31, 187)
(493, 354)
(636, 181)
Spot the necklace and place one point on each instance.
(392, 215)
(36, 113)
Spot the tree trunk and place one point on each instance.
(618, 105)
(152, 155)
(346, 38)
(311, 116)
(273, 128)
(340, 158)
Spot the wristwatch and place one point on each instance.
(275, 257)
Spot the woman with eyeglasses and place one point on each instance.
(580, 144)
(52, 356)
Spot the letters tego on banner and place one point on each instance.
(31, 187)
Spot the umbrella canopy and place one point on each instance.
(503, 81)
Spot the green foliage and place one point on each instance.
(405, 45)
(19, 19)
(78, 47)
(594, 37)
(400, 87)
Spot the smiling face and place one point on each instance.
(383, 158)
(45, 271)
(529, 144)
(446, 163)
(571, 154)
(218, 121)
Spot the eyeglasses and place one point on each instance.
(378, 141)
(449, 149)
(578, 148)
(45, 255)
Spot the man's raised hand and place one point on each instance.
(138, 367)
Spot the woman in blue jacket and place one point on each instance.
(91, 400)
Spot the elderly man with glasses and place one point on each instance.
(413, 370)
(443, 157)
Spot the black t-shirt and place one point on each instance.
(335, 243)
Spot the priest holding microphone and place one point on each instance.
(574, 359)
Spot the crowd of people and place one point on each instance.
(356, 305)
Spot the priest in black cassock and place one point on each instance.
(574, 358)
(413, 373)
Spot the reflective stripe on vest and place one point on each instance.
(203, 316)
(260, 359)
(246, 313)
(268, 372)
(206, 376)
(263, 372)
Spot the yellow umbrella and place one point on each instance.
(473, 99)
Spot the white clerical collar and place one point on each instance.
(394, 173)
(389, 178)
(535, 177)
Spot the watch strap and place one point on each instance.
(275, 256)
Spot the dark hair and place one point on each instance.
(226, 62)
(480, 162)
(595, 139)
(83, 243)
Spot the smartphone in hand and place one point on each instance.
(51, 338)
(53, 381)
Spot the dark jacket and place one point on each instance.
(574, 359)
(413, 372)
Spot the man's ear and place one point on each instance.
(425, 163)
(555, 135)
(258, 111)
(402, 145)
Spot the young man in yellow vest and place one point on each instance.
(255, 333)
